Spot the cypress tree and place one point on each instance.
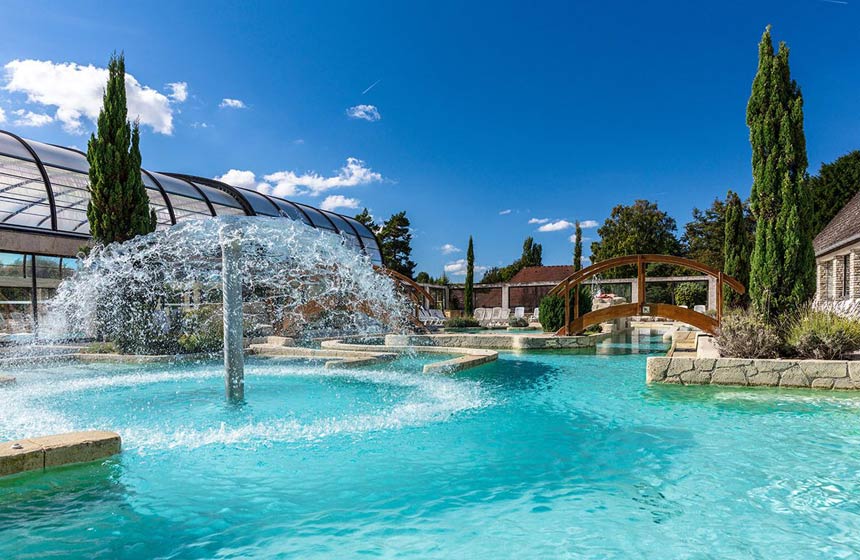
(577, 248)
(736, 248)
(119, 206)
(468, 297)
(782, 268)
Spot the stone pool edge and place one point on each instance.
(794, 373)
(40, 453)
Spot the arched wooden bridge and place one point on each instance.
(574, 323)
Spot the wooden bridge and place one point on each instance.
(575, 324)
(416, 293)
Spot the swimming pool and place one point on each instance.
(535, 455)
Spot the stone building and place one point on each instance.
(837, 256)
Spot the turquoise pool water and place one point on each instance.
(539, 455)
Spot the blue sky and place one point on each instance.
(490, 115)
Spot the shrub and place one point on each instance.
(745, 334)
(102, 348)
(823, 335)
(202, 330)
(462, 323)
(658, 292)
(691, 294)
(552, 313)
(517, 322)
(593, 329)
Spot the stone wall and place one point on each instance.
(814, 374)
(497, 341)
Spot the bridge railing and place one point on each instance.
(569, 289)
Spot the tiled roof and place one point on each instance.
(843, 229)
(555, 273)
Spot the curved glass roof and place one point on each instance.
(46, 188)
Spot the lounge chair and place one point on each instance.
(479, 314)
(491, 316)
(535, 316)
(520, 312)
(425, 317)
(700, 309)
(500, 317)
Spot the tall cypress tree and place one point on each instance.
(736, 248)
(468, 297)
(782, 269)
(577, 248)
(119, 206)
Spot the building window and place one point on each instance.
(846, 276)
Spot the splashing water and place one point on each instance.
(161, 292)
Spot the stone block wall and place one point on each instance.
(811, 374)
(855, 274)
(838, 277)
(821, 289)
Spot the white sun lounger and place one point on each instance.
(520, 312)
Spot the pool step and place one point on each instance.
(41, 453)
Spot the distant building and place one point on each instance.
(837, 255)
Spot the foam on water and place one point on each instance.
(431, 399)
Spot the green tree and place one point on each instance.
(577, 248)
(493, 275)
(366, 219)
(468, 291)
(423, 278)
(691, 294)
(532, 255)
(835, 184)
(704, 235)
(396, 241)
(782, 269)
(119, 206)
(629, 230)
(737, 243)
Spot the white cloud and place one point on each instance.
(538, 220)
(228, 103)
(505, 212)
(289, 183)
(573, 238)
(364, 112)
(29, 118)
(458, 268)
(354, 173)
(447, 249)
(76, 91)
(334, 201)
(178, 91)
(2, 115)
(199, 125)
(557, 225)
(299, 141)
(246, 179)
(585, 224)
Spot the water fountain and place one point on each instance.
(204, 285)
(231, 289)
